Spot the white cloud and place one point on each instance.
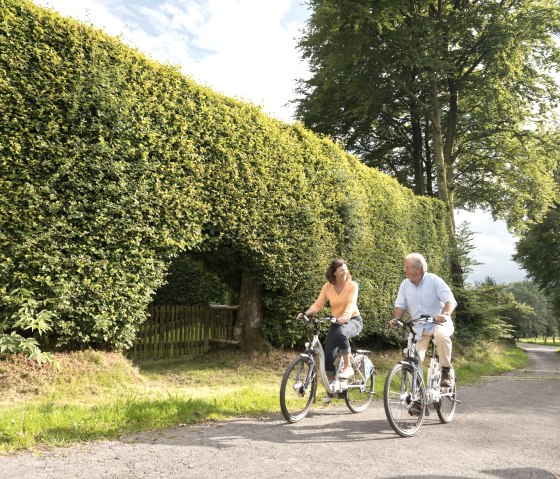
(494, 248)
(241, 48)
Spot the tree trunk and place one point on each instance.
(249, 316)
(417, 158)
(442, 170)
(438, 146)
(456, 268)
(428, 159)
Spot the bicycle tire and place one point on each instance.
(360, 393)
(405, 411)
(295, 398)
(445, 408)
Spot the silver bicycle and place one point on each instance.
(299, 383)
(406, 398)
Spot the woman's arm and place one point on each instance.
(319, 303)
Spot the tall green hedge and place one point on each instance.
(112, 165)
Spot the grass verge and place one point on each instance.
(91, 395)
(545, 341)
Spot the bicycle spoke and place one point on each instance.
(298, 388)
(403, 406)
(361, 385)
(447, 404)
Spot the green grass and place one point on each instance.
(490, 360)
(548, 341)
(92, 395)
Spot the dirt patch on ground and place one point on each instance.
(21, 377)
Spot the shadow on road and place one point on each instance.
(511, 473)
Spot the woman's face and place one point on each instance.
(341, 273)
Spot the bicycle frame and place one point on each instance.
(433, 392)
(314, 351)
(407, 397)
(410, 355)
(433, 378)
(299, 382)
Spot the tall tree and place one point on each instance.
(542, 320)
(538, 252)
(452, 97)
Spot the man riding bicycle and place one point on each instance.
(423, 293)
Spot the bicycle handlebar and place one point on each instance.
(422, 319)
(312, 319)
(410, 324)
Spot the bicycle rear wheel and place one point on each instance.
(361, 386)
(298, 388)
(447, 403)
(404, 407)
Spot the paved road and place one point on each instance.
(506, 428)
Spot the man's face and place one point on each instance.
(412, 271)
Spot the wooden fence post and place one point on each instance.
(171, 330)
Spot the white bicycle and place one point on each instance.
(406, 398)
(299, 383)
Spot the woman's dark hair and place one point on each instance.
(337, 263)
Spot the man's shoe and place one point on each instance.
(447, 377)
(327, 399)
(346, 373)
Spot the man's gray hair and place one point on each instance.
(419, 260)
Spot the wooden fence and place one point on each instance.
(172, 331)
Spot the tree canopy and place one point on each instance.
(538, 252)
(454, 98)
(541, 320)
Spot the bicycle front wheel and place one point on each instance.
(298, 388)
(447, 403)
(404, 407)
(361, 388)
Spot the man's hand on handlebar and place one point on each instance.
(441, 318)
(392, 323)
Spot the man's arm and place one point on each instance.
(446, 311)
(397, 315)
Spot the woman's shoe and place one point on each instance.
(346, 373)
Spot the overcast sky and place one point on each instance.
(247, 49)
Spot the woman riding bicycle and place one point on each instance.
(342, 295)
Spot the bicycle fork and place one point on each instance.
(409, 396)
(302, 384)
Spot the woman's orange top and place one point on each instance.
(343, 304)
